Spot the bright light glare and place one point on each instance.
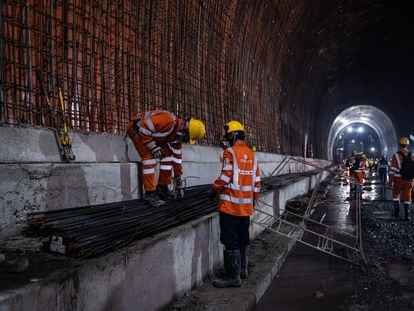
(360, 129)
(350, 129)
(372, 149)
(353, 141)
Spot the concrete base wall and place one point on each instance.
(146, 275)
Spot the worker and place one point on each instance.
(158, 134)
(238, 187)
(349, 171)
(359, 168)
(396, 180)
(383, 170)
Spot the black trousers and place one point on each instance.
(234, 231)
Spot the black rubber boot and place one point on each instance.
(164, 193)
(244, 273)
(396, 209)
(232, 266)
(406, 211)
(152, 198)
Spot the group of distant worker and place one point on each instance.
(158, 135)
(400, 174)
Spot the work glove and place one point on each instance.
(212, 194)
(178, 189)
(157, 152)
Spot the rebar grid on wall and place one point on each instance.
(214, 60)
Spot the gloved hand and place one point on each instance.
(212, 194)
(157, 152)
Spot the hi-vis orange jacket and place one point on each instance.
(157, 128)
(239, 182)
(396, 160)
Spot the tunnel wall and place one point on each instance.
(213, 60)
(32, 177)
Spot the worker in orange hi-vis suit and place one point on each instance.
(396, 180)
(158, 134)
(238, 186)
(359, 172)
(349, 171)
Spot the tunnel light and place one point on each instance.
(350, 129)
(360, 129)
(372, 149)
(353, 141)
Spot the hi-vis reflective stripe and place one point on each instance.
(149, 162)
(179, 161)
(176, 151)
(257, 179)
(256, 189)
(166, 159)
(228, 167)
(151, 131)
(397, 157)
(225, 178)
(166, 167)
(237, 187)
(231, 199)
(241, 172)
(148, 171)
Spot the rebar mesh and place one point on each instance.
(215, 60)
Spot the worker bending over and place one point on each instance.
(158, 134)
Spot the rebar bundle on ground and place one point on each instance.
(93, 230)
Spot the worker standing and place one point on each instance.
(238, 187)
(399, 182)
(383, 170)
(349, 171)
(359, 168)
(158, 134)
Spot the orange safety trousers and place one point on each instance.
(149, 163)
(402, 186)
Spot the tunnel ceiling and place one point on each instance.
(351, 53)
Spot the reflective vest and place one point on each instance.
(239, 182)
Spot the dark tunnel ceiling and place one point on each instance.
(353, 53)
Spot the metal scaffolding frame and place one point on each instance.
(327, 239)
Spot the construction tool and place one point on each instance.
(65, 140)
(50, 109)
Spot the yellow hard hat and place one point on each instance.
(404, 141)
(233, 126)
(196, 130)
(363, 156)
(354, 152)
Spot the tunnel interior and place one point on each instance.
(286, 70)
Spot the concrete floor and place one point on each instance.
(311, 280)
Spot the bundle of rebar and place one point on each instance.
(93, 230)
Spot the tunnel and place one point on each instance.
(310, 81)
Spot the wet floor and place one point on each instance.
(310, 279)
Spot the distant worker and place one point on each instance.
(359, 167)
(238, 187)
(383, 170)
(401, 178)
(348, 166)
(158, 134)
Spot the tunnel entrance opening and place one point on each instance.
(358, 137)
(362, 128)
